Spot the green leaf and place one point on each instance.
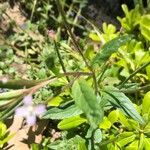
(11, 94)
(56, 113)
(148, 72)
(110, 47)
(146, 143)
(146, 103)
(68, 144)
(71, 122)
(82, 146)
(94, 37)
(141, 141)
(125, 138)
(86, 100)
(35, 146)
(133, 146)
(131, 19)
(3, 129)
(98, 136)
(121, 101)
(145, 26)
(134, 124)
(6, 139)
(56, 101)
(113, 116)
(106, 124)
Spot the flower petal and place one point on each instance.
(31, 120)
(40, 109)
(22, 111)
(27, 100)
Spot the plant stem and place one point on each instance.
(146, 87)
(19, 84)
(76, 45)
(133, 74)
(75, 22)
(33, 9)
(103, 71)
(60, 60)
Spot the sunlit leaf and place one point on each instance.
(110, 47)
(145, 26)
(71, 122)
(86, 100)
(125, 138)
(98, 136)
(146, 103)
(105, 124)
(120, 100)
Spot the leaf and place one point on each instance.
(113, 116)
(106, 124)
(121, 101)
(98, 136)
(131, 19)
(3, 129)
(94, 37)
(133, 146)
(56, 113)
(19, 84)
(146, 103)
(146, 143)
(86, 100)
(56, 101)
(148, 71)
(125, 138)
(67, 144)
(110, 47)
(145, 26)
(141, 141)
(12, 94)
(71, 122)
(82, 146)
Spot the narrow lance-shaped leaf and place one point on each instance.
(110, 47)
(86, 100)
(19, 84)
(121, 101)
(12, 94)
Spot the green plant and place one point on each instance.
(93, 94)
(4, 135)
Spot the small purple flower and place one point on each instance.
(30, 111)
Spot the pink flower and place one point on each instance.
(30, 111)
(51, 34)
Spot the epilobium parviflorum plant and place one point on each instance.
(93, 91)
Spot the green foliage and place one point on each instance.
(76, 143)
(56, 113)
(4, 135)
(71, 122)
(106, 108)
(119, 100)
(131, 19)
(144, 26)
(110, 47)
(85, 99)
